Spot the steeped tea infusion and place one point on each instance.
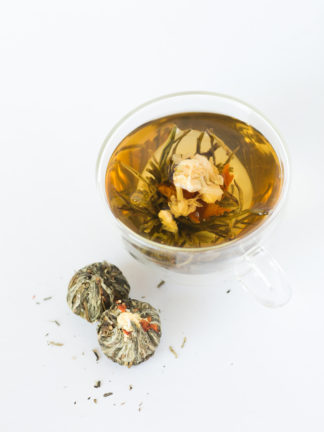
(193, 179)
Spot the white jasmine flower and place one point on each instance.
(181, 206)
(168, 223)
(198, 174)
(211, 193)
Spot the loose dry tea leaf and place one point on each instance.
(55, 322)
(54, 343)
(108, 394)
(97, 384)
(228, 291)
(74, 402)
(129, 332)
(184, 342)
(130, 387)
(173, 351)
(94, 288)
(47, 298)
(161, 283)
(122, 403)
(95, 401)
(95, 352)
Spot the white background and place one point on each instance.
(69, 70)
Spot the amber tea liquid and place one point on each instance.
(254, 165)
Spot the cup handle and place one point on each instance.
(262, 276)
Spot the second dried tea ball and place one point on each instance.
(94, 288)
(129, 332)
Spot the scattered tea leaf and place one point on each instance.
(108, 394)
(95, 401)
(74, 402)
(95, 352)
(122, 403)
(55, 343)
(184, 342)
(55, 322)
(161, 283)
(228, 291)
(97, 384)
(173, 351)
(47, 298)
(130, 387)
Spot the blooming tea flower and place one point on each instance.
(198, 174)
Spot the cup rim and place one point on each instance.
(283, 159)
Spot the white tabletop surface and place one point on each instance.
(69, 70)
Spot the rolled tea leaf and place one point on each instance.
(129, 332)
(94, 288)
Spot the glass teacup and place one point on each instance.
(244, 257)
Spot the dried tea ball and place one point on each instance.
(129, 332)
(94, 288)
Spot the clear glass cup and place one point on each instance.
(244, 258)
